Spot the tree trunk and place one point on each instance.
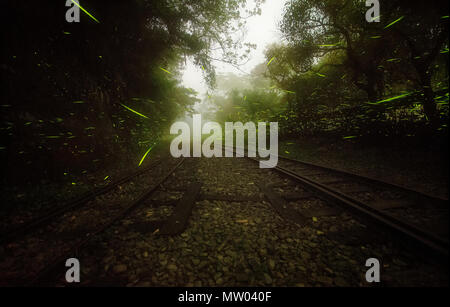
(429, 106)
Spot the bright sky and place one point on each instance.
(262, 30)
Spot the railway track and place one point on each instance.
(58, 209)
(35, 257)
(164, 214)
(142, 234)
(415, 217)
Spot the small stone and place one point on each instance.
(143, 284)
(301, 268)
(272, 264)
(120, 268)
(241, 277)
(340, 282)
(267, 278)
(325, 280)
(172, 267)
(333, 229)
(202, 264)
(305, 255)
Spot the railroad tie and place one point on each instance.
(281, 206)
(177, 222)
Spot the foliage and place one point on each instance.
(66, 84)
(334, 60)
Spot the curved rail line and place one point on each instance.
(368, 180)
(56, 265)
(57, 210)
(406, 230)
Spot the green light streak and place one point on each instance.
(271, 60)
(85, 11)
(375, 18)
(165, 70)
(106, 177)
(390, 99)
(145, 155)
(136, 112)
(395, 21)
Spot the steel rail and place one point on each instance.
(59, 261)
(404, 229)
(78, 202)
(367, 179)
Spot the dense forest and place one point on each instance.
(77, 97)
(340, 75)
(66, 85)
(108, 177)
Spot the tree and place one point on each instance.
(82, 74)
(421, 35)
(317, 28)
(404, 46)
